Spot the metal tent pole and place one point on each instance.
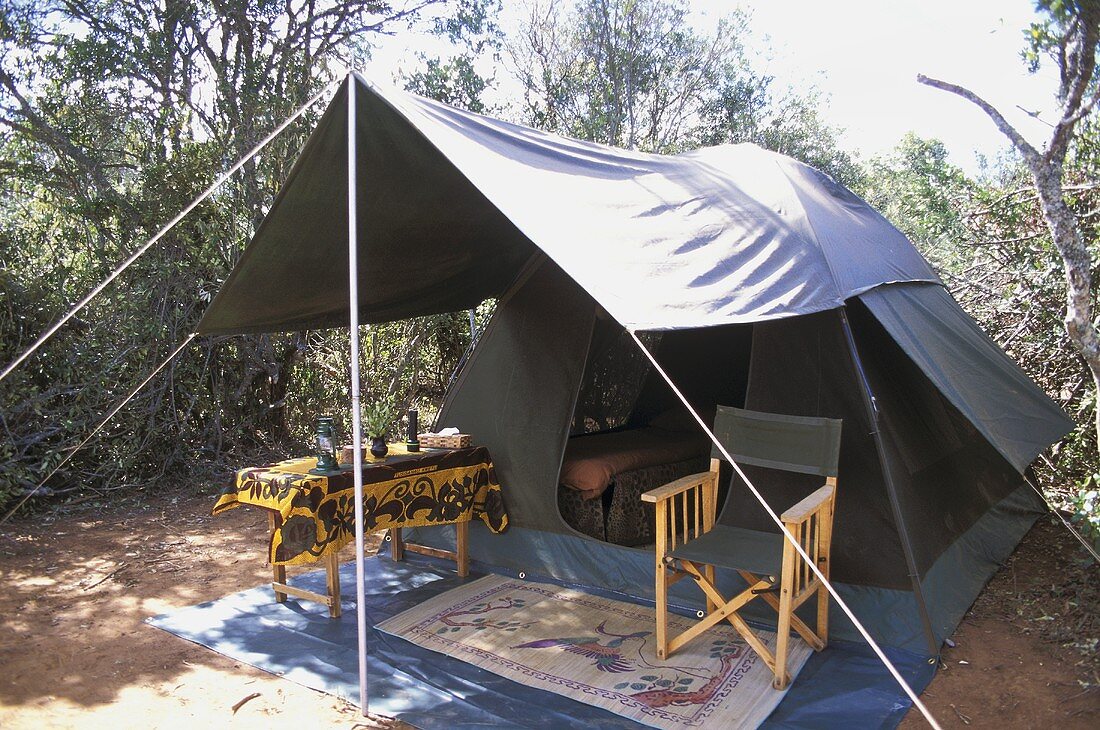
(356, 425)
(871, 405)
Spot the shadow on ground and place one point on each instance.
(78, 587)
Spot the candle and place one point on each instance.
(413, 442)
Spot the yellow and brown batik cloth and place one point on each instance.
(402, 490)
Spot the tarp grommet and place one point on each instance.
(700, 614)
(522, 575)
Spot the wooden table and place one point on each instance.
(312, 516)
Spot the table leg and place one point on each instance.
(332, 569)
(462, 550)
(397, 545)
(278, 571)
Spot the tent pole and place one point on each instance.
(356, 425)
(871, 405)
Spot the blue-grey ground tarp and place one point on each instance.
(845, 686)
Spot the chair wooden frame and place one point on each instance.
(685, 510)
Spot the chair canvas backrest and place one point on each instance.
(802, 444)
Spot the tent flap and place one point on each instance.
(453, 203)
(970, 370)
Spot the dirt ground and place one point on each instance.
(79, 582)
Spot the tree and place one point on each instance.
(628, 73)
(1070, 36)
(923, 194)
(636, 74)
(746, 108)
(114, 114)
(473, 30)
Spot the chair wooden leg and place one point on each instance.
(823, 595)
(823, 615)
(797, 624)
(708, 571)
(660, 588)
(783, 630)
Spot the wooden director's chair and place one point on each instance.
(691, 544)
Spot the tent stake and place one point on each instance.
(871, 406)
(356, 425)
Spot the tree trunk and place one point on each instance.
(1076, 262)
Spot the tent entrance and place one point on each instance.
(629, 433)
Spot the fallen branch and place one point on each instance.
(961, 716)
(240, 703)
(107, 577)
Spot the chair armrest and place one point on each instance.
(682, 484)
(810, 504)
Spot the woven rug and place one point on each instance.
(598, 651)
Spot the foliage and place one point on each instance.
(455, 80)
(626, 73)
(747, 108)
(1084, 508)
(114, 115)
(378, 418)
(923, 194)
(1071, 37)
(637, 74)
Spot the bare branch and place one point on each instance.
(1030, 153)
(1077, 71)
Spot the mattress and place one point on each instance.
(593, 461)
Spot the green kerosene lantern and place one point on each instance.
(326, 447)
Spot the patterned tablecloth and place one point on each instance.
(435, 487)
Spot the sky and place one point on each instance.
(865, 55)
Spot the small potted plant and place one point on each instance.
(377, 420)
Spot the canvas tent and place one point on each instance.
(757, 281)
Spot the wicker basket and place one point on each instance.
(347, 453)
(435, 441)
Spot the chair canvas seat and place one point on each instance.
(736, 548)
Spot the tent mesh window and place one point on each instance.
(613, 379)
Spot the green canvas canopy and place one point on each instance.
(756, 281)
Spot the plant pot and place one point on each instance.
(378, 447)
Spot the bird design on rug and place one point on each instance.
(607, 656)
